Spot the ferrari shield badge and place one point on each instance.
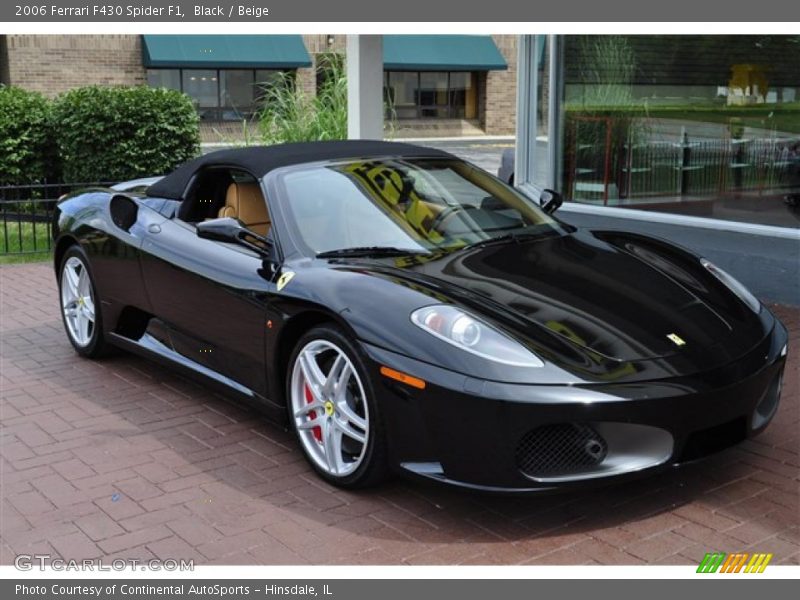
(673, 337)
(284, 279)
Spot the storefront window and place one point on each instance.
(699, 125)
(237, 93)
(266, 77)
(433, 99)
(402, 93)
(463, 96)
(202, 86)
(167, 78)
(431, 94)
(218, 94)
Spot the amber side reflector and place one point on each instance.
(403, 378)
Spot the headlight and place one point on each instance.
(733, 285)
(464, 331)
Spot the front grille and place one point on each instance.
(560, 449)
(714, 439)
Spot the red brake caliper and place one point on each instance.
(316, 431)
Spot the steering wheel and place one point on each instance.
(449, 212)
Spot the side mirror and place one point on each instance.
(227, 229)
(550, 200)
(124, 212)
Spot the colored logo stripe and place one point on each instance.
(738, 562)
(758, 563)
(711, 562)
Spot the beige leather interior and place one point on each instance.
(245, 202)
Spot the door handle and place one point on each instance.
(154, 228)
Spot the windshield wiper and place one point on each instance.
(369, 251)
(507, 237)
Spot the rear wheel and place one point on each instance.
(80, 308)
(333, 411)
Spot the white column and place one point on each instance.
(527, 75)
(365, 87)
(530, 150)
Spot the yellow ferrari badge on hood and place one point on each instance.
(284, 279)
(673, 337)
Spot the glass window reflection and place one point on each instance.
(701, 125)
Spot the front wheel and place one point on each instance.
(333, 410)
(80, 309)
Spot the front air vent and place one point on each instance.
(560, 449)
(561, 452)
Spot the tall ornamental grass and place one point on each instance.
(289, 114)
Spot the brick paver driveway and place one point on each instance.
(121, 458)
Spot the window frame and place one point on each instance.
(452, 110)
(219, 110)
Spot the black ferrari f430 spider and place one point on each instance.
(403, 310)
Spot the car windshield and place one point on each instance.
(399, 205)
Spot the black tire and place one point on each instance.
(373, 468)
(97, 346)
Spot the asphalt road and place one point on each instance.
(483, 153)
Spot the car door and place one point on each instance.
(212, 296)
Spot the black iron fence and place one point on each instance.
(26, 213)
(600, 167)
(709, 166)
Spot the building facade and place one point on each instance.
(435, 85)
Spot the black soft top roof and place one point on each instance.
(260, 160)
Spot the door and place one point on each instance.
(212, 296)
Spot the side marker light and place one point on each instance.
(414, 382)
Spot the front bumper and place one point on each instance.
(475, 433)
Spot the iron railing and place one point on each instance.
(709, 167)
(26, 213)
(687, 168)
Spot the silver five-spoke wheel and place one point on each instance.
(77, 301)
(329, 408)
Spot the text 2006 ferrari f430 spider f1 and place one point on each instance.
(405, 311)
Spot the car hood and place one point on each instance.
(621, 298)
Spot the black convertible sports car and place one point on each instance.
(404, 310)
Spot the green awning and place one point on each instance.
(441, 53)
(225, 51)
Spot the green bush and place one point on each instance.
(119, 133)
(26, 147)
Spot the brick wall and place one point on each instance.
(52, 64)
(318, 44)
(501, 90)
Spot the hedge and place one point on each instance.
(27, 152)
(120, 133)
